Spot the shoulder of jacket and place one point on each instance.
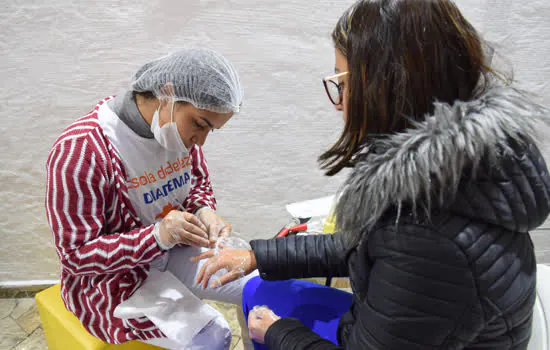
(440, 232)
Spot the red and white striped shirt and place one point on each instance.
(104, 249)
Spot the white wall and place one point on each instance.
(59, 58)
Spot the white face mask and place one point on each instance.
(167, 135)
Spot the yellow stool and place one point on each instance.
(65, 332)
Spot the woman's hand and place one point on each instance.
(182, 227)
(260, 318)
(216, 227)
(237, 262)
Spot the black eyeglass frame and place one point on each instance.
(329, 80)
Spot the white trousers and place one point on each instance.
(176, 261)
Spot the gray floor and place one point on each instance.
(20, 326)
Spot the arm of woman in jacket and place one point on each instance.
(279, 259)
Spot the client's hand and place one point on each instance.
(260, 319)
(237, 262)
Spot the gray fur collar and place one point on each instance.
(446, 143)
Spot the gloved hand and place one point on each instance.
(216, 227)
(180, 227)
(260, 318)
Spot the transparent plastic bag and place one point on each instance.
(235, 241)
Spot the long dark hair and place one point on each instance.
(403, 55)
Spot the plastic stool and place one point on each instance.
(64, 331)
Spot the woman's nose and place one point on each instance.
(339, 107)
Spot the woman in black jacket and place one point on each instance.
(435, 218)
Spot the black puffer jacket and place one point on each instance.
(441, 215)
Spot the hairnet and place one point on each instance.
(199, 76)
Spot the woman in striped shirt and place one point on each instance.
(128, 189)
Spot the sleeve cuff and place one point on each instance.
(194, 206)
(258, 247)
(288, 331)
(198, 210)
(156, 234)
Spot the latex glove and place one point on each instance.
(236, 262)
(181, 227)
(215, 225)
(260, 318)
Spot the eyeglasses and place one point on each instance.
(333, 89)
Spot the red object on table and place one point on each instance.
(298, 228)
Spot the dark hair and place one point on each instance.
(147, 95)
(403, 55)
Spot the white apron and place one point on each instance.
(158, 181)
